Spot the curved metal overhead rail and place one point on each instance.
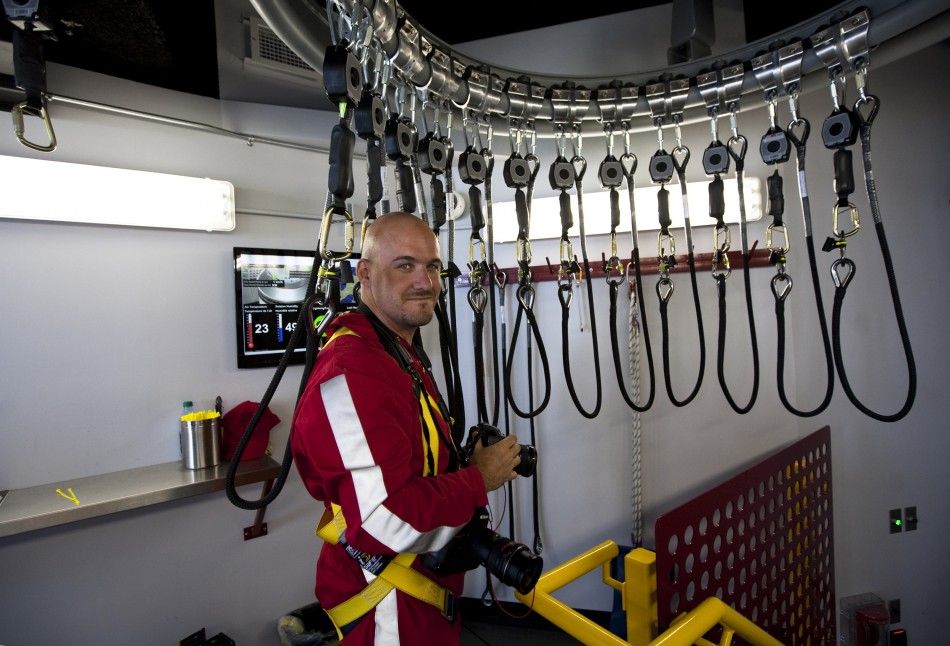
(430, 64)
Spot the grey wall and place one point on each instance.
(117, 326)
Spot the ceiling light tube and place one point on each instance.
(546, 221)
(39, 189)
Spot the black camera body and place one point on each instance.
(477, 544)
(488, 435)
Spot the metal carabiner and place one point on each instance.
(855, 220)
(566, 252)
(17, 112)
(722, 238)
(661, 249)
(720, 265)
(768, 239)
(478, 243)
(523, 250)
(348, 233)
(614, 270)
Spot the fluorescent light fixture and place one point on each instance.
(546, 219)
(38, 189)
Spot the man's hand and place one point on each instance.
(497, 462)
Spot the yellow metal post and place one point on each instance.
(640, 596)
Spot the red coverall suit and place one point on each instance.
(358, 442)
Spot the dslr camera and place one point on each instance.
(477, 544)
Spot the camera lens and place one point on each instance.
(513, 563)
(529, 461)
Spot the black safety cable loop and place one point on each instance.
(798, 131)
(526, 297)
(579, 166)
(736, 150)
(627, 167)
(520, 173)
(537, 544)
(497, 396)
(477, 300)
(843, 270)
(473, 170)
(342, 80)
(678, 159)
(434, 155)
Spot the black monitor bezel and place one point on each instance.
(268, 360)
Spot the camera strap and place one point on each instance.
(427, 402)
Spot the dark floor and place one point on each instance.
(479, 634)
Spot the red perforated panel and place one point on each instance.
(762, 542)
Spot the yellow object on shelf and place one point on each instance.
(200, 415)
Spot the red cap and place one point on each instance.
(235, 424)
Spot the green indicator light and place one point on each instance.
(898, 522)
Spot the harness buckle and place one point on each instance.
(449, 606)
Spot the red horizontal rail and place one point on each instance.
(703, 261)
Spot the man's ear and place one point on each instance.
(362, 270)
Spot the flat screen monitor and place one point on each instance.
(270, 286)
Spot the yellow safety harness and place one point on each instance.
(398, 573)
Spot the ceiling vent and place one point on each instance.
(269, 53)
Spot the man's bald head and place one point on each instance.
(389, 225)
(400, 272)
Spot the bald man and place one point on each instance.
(371, 440)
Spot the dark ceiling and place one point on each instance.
(172, 43)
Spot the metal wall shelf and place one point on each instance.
(58, 503)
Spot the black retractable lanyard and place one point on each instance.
(668, 99)
(616, 107)
(838, 132)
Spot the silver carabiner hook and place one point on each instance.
(348, 234)
(19, 129)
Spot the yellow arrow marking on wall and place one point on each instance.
(71, 496)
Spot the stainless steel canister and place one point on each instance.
(201, 443)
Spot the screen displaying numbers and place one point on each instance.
(271, 286)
